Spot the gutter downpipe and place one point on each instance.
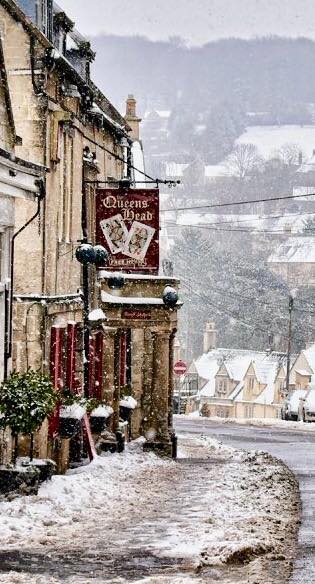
(8, 339)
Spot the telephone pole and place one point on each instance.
(291, 304)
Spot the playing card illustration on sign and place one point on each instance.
(115, 232)
(138, 240)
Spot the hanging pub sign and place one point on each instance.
(127, 225)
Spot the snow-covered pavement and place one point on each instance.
(216, 515)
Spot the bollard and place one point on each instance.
(120, 438)
(174, 445)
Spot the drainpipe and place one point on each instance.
(8, 340)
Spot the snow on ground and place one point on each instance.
(259, 422)
(269, 139)
(66, 498)
(218, 516)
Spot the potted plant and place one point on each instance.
(26, 399)
(72, 411)
(100, 414)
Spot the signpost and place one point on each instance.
(127, 225)
(180, 368)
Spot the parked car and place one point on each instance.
(290, 409)
(307, 406)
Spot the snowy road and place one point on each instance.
(297, 449)
(215, 516)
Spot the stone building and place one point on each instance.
(294, 261)
(20, 180)
(236, 383)
(73, 137)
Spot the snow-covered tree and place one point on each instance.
(26, 399)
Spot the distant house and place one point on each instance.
(303, 369)
(239, 383)
(294, 261)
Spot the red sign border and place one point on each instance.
(153, 253)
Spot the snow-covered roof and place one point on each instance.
(295, 250)
(237, 363)
(303, 372)
(213, 171)
(237, 393)
(173, 169)
(309, 354)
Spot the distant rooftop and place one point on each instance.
(295, 250)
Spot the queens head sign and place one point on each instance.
(127, 225)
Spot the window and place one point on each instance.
(222, 412)
(249, 411)
(222, 386)
(66, 187)
(251, 382)
(45, 17)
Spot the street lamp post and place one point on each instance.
(87, 255)
(291, 304)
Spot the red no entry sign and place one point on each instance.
(180, 367)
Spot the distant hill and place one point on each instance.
(273, 76)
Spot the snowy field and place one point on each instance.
(269, 139)
(223, 518)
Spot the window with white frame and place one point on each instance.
(222, 385)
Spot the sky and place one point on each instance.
(197, 21)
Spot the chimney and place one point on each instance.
(131, 117)
(209, 337)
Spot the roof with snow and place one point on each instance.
(173, 169)
(309, 354)
(296, 250)
(237, 362)
(213, 171)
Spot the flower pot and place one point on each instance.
(69, 427)
(45, 467)
(19, 480)
(98, 424)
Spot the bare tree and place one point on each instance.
(290, 154)
(244, 160)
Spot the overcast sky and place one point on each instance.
(197, 21)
